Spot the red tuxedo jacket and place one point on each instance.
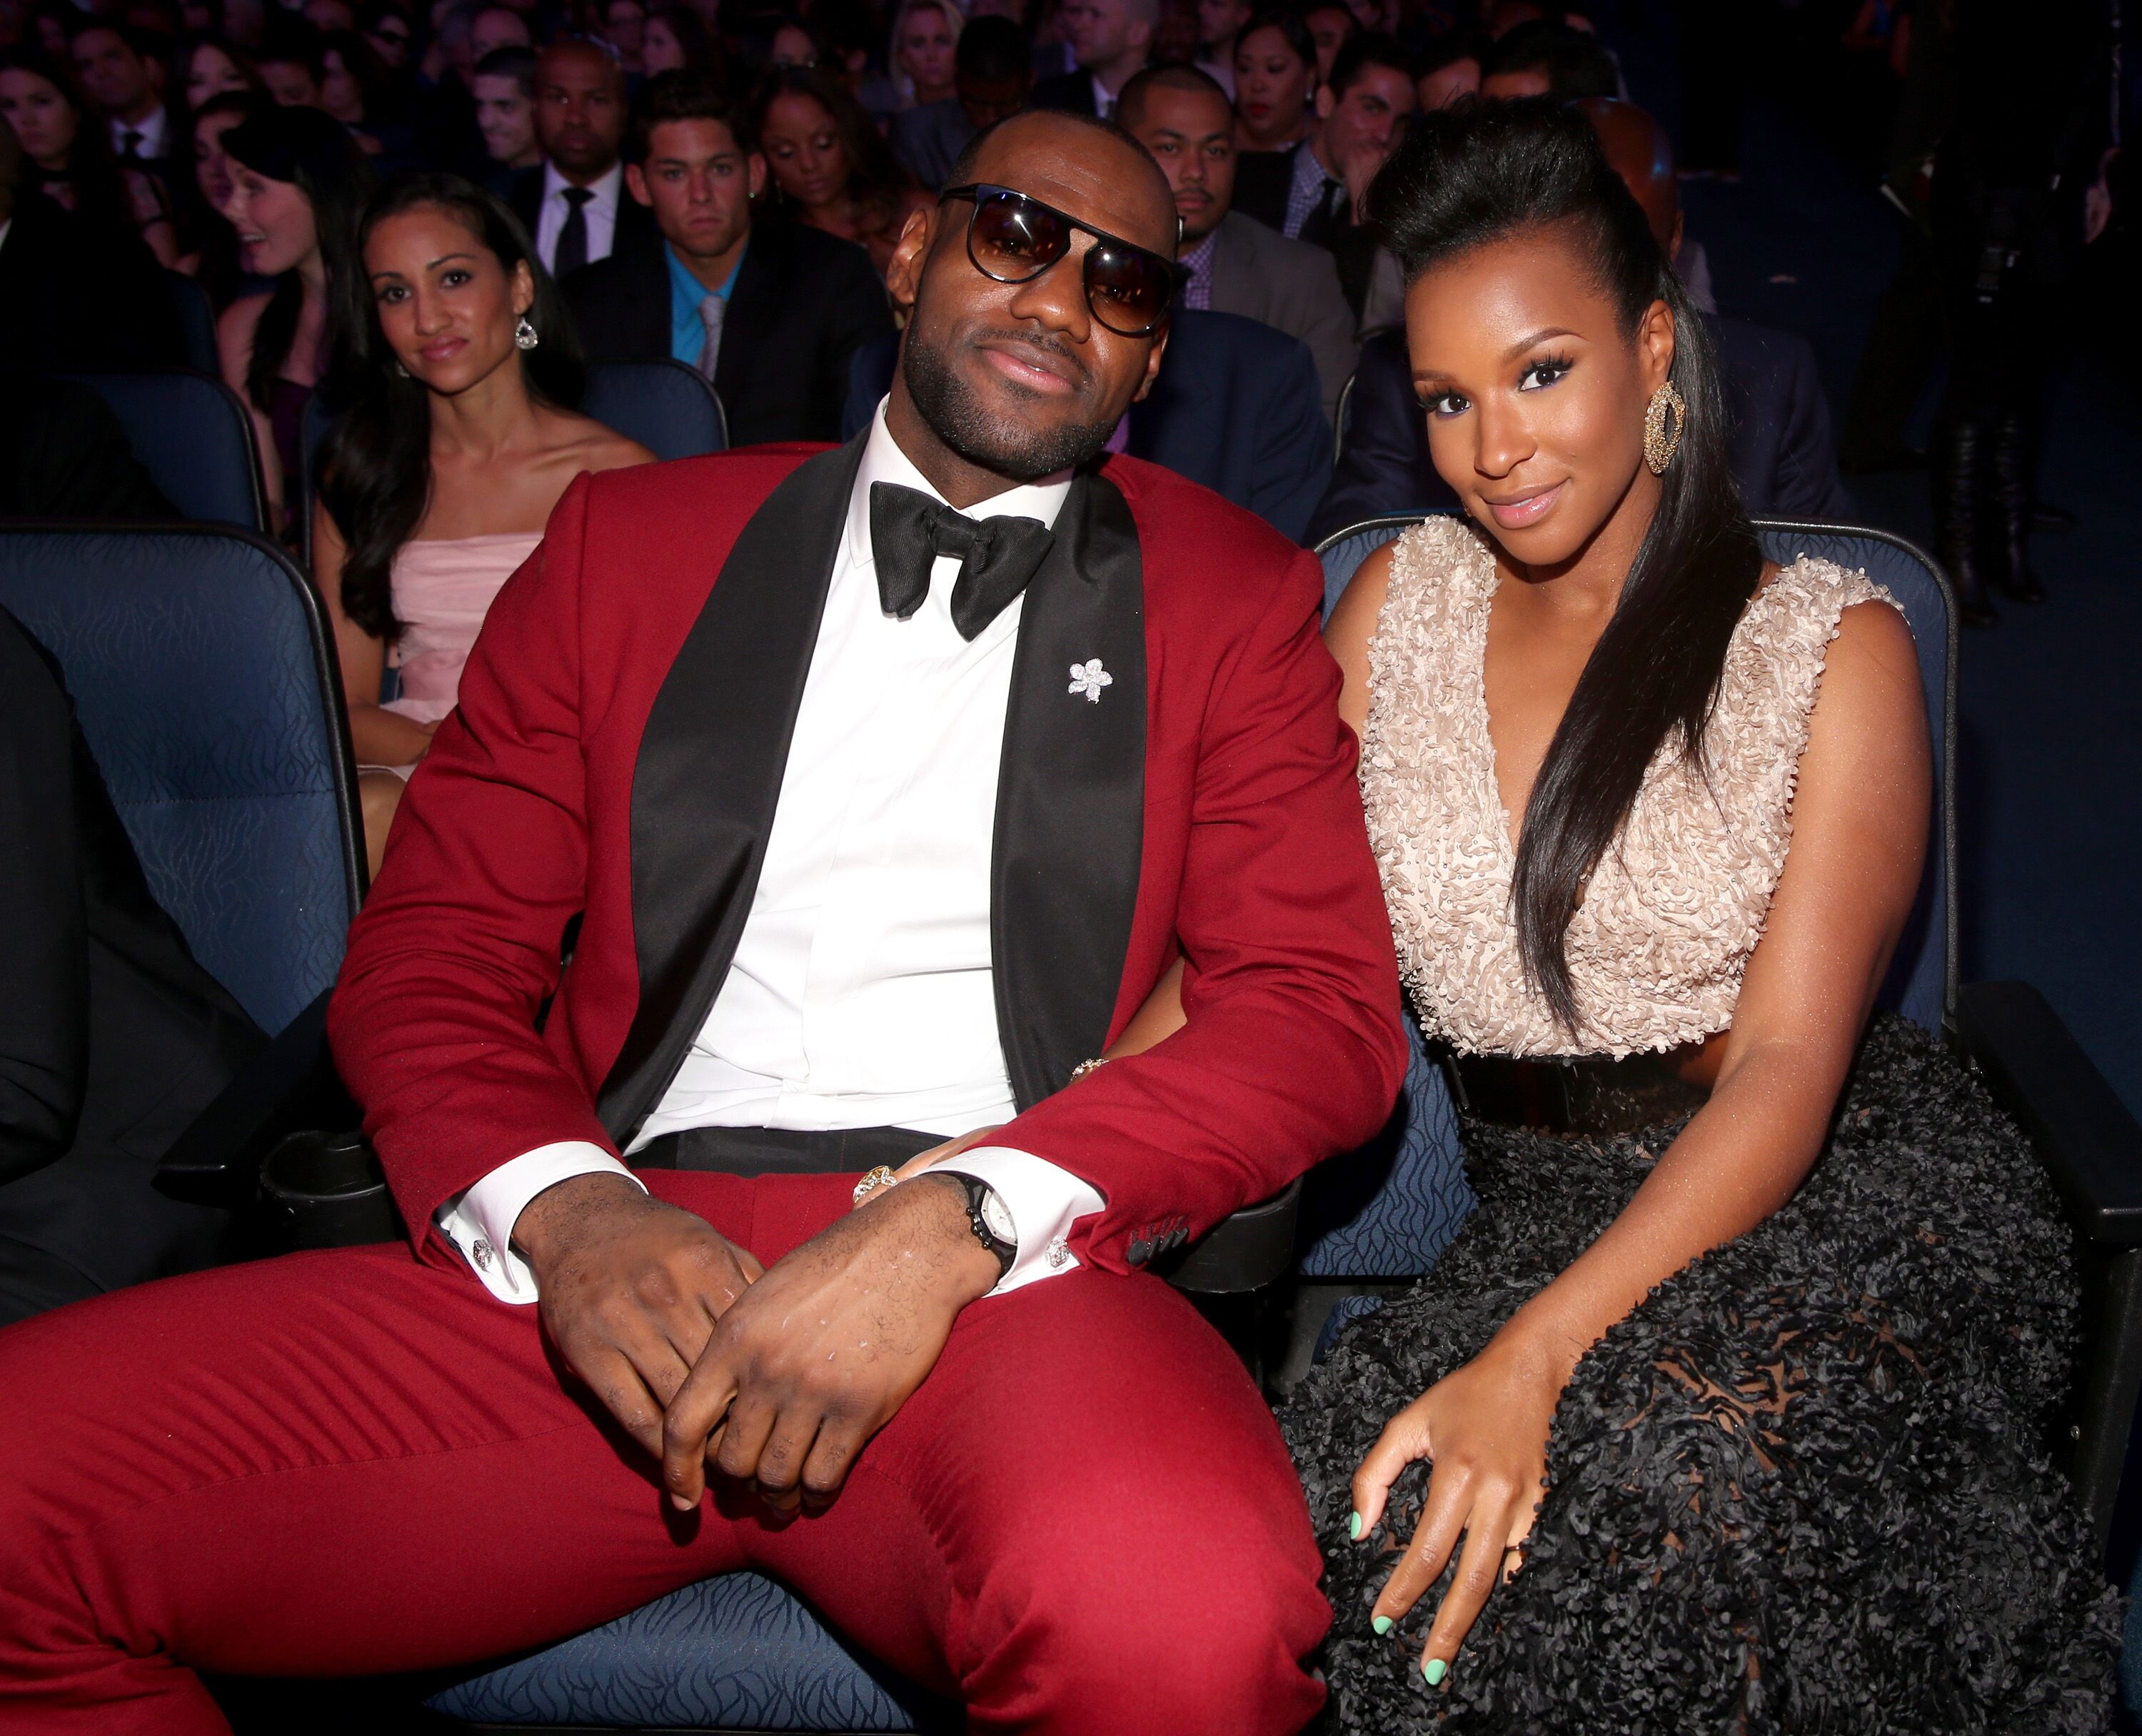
(615, 757)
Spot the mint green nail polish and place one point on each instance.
(1436, 1669)
(1354, 1527)
(1382, 1623)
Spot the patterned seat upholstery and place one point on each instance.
(664, 406)
(201, 669)
(1387, 1210)
(735, 1652)
(194, 436)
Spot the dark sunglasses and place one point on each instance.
(1013, 239)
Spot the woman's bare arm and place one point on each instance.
(381, 737)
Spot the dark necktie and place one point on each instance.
(130, 145)
(573, 235)
(1324, 221)
(997, 557)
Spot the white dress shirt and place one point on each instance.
(862, 993)
(153, 132)
(601, 210)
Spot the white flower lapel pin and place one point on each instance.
(1089, 678)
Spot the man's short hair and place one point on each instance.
(993, 47)
(135, 39)
(680, 95)
(1130, 100)
(1362, 51)
(1451, 47)
(963, 170)
(516, 63)
(1575, 65)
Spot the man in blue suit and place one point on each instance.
(1237, 407)
(1779, 438)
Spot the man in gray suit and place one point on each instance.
(1236, 265)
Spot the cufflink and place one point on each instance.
(479, 1252)
(1059, 1253)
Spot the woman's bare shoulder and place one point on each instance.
(587, 445)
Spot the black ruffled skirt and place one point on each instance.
(1804, 1486)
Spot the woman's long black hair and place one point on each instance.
(316, 152)
(373, 473)
(1484, 172)
(100, 195)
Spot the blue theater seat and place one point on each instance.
(194, 437)
(200, 666)
(665, 405)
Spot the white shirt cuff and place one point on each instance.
(479, 1220)
(1045, 1202)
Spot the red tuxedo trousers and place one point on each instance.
(340, 1463)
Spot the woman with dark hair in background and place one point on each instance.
(1274, 82)
(355, 89)
(71, 149)
(676, 40)
(210, 67)
(1728, 1403)
(829, 166)
(297, 182)
(457, 367)
(210, 244)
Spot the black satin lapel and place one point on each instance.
(1070, 796)
(710, 768)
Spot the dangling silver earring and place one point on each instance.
(523, 335)
(1660, 443)
(400, 372)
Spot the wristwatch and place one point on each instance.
(989, 1218)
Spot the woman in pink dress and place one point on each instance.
(456, 361)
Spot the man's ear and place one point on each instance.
(903, 276)
(1324, 102)
(635, 181)
(1151, 368)
(755, 172)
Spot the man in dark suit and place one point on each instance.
(993, 78)
(1236, 265)
(771, 313)
(111, 1038)
(1109, 39)
(856, 867)
(574, 206)
(75, 294)
(1312, 192)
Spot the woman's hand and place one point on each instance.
(1485, 1428)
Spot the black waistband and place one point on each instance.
(780, 1152)
(1584, 1094)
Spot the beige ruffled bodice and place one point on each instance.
(1659, 946)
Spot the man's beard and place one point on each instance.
(1011, 448)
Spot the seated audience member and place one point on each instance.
(1236, 265)
(457, 365)
(829, 166)
(1275, 84)
(210, 67)
(505, 115)
(574, 205)
(1331, 26)
(1219, 22)
(38, 98)
(111, 1038)
(850, 38)
(770, 313)
(494, 27)
(1314, 191)
(292, 64)
(354, 88)
(118, 78)
(76, 294)
(386, 27)
(1109, 39)
(992, 77)
(1778, 432)
(623, 27)
(297, 182)
(210, 244)
(1449, 68)
(64, 455)
(925, 41)
(678, 40)
(1543, 59)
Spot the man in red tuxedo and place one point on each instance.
(883, 785)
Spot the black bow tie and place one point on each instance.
(997, 557)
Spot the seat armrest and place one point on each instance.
(1244, 1252)
(2090, 1141)
(288, 1087)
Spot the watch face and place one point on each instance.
(997, 1216)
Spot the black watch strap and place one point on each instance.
(978, 1190)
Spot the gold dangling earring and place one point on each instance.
(1659, 444)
